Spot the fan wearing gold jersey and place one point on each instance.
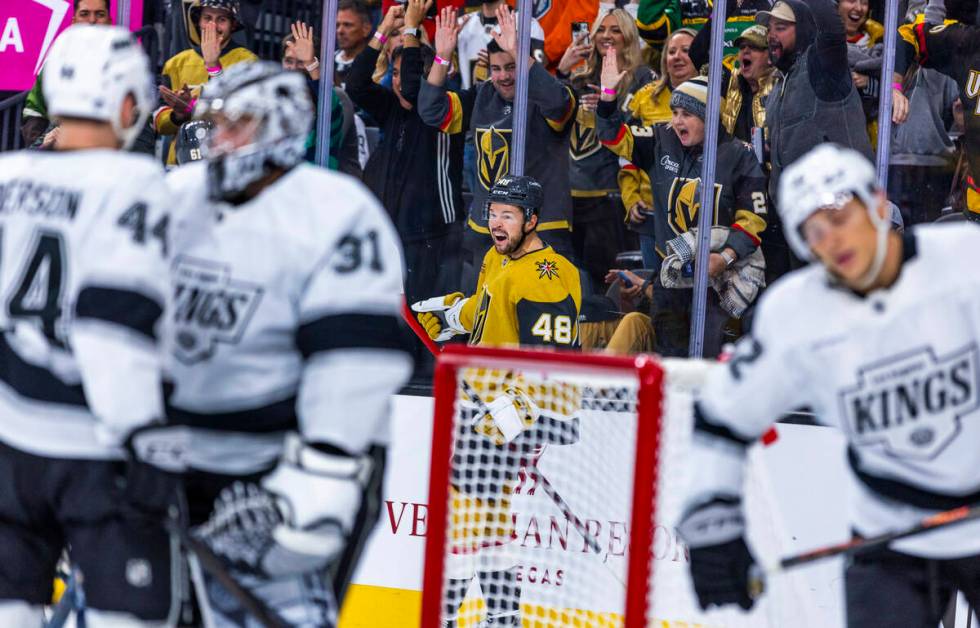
(527, 294)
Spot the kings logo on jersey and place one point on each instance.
(209, 307)
(913, 403)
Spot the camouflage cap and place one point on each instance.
(231, 6)
(756, 36)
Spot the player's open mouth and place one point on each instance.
(500, 238)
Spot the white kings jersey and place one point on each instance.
(898, 371)
(83, 288)
(286, 317)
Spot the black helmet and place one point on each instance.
(520, 191)
(231, 6)
(190, 139)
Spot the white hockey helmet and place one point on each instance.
(826, 177)
(90, 71)
(276, 111)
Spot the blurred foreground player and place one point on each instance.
(83, 280)
(529, 296)
(287, 345)
(881, 340)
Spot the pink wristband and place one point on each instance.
(190, 106)
(608, 92)
(381, 37)
(898, 86)
(214, 70)
(442, 61)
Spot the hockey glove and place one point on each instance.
(154, 462)
(439, 316)
(297, 521)
(721, 562)
(509, 415)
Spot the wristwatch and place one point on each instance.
(728, 257)
(410, 30)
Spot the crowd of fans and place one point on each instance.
(422, 111)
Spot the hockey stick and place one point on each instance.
(549, 488)
(413, 323)
(862, 546)
(212, 564)
(177, 526)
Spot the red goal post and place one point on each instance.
(592, 376)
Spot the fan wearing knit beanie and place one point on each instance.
(672, 156)
(687, 105)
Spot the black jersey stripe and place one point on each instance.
(351, 331)
(703, 424)
(126, 308)
(905, 493)
(36, 382)
(279, 416)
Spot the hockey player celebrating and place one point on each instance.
(882, 342)
(84, 283)
(287, 347)
(528, 293)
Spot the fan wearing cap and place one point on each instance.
(744, 105)
(814, 99)
(672, 157)
(880, 340)
(210, 26)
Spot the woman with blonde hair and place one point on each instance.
(598, 234)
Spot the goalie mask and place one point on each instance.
(90, 71)
(261, 117)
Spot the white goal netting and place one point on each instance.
(540, 503)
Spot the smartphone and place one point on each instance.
(625, 279)
(578, 30)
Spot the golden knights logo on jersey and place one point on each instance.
(493, 154)
(547, 269)
(683, 204)
(480, 318)
(209, 307)
(913, 403)
(584, 141)
(973, 89)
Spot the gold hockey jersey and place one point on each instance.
(531, 301)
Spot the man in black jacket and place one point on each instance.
(814, 99)
(416, 171)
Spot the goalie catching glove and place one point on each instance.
(721, 564)
(507, 417)
(439, 316)
(298, 520)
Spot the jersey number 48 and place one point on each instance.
(553, 329)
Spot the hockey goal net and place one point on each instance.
(557, 525)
